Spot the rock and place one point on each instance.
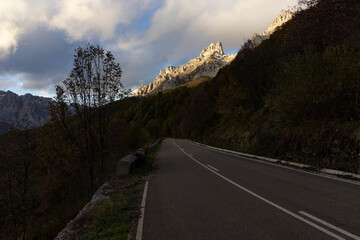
(278, 22)
(257, 39)
(74, 228)
(140, 152)
(123, 167)
(23, 112)
(209, 62)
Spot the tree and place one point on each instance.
(231, 101)
(15, 168)
(318, 84)
(93, 84)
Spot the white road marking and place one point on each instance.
(141, 219)
(265, 200)
(330, 225)
(212, 168)
(280, 166)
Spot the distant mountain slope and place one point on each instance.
(207, 64)
(22, 112)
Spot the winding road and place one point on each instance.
(201, 193)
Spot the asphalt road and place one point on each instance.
(203, 194)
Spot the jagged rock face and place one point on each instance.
(257, 39)
(22, 112)
(209, 62)
(278, 22)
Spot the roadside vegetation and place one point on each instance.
(116, 218)
(294, 97)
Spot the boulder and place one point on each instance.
(123, 167)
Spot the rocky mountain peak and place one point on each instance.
(278, 22)
(209, 62)
(257, 39)
(213, 48)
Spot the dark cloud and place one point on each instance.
(43, 59)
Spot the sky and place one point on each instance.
(38, 37)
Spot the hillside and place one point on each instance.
(294, 96)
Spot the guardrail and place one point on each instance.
(295, 164)
(125, 164)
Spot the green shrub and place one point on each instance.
(318, 85)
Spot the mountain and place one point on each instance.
(209, 62)
(22, 112)
(294, 97)
(259, 38)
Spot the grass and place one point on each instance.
(192, 84)
(116, 217)
(196, 82)
(113, 218)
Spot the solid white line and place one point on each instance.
(330, 225)
(141, 219)
(265, 200)
(277, 165)
(213, 168)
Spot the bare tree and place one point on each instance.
(93, 84)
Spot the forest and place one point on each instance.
(294, 97)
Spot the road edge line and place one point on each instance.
(141, 219)
(327, 173)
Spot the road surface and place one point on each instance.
(203, 194)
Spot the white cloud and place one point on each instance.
(86, 19)
(5, 83)
(8, 41)
(79, 19)
(16, 18)
(45, 94)
(230, 21)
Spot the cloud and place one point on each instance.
(18, 17)
(38, 36)
(197, 22)
(5, 83)
(8, 41)
(88, 19)
(42, 60)
(80, 19)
